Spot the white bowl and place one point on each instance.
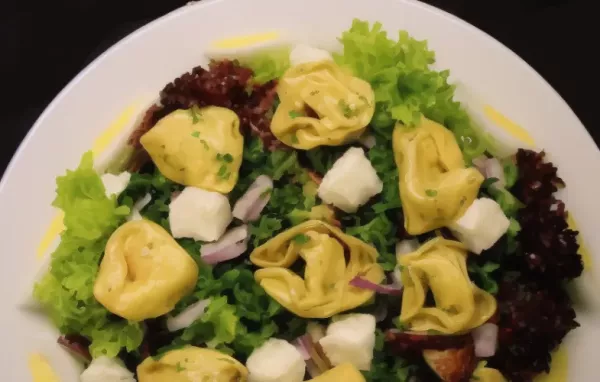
(134, 70)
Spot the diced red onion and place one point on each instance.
(359, 282)
(187, 316)
(251, 204)
(381, 312)
(491, 168)
(304, 345)
(368, 141)
(138, 207)
(406, 246)
(485, 338)
(233, 244)
(77, 346)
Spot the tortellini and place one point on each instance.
(321, 105)
(345, 372)
(144, 272)
(325, 289)
(191, 364)
(435, 186)
(486, 374)
(198, 147)
(440, 266)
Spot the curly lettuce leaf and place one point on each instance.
(405, 85)
(267, 65)
(66, 291)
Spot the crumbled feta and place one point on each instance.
(481, 226)
(276, 361)
(103, 369)
(115, 184)
(350, 339)
(199, 214)
(350, 182)
(302, 54)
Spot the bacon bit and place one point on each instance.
(409, 341)
(77, 346)
(452, 365)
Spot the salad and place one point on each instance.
(296, 214)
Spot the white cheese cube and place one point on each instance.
(276, 361)
(481, 226)
(350, 339)
(103, 369)
(302, 54)
(350, 182)
(199, 214)
(115, 184)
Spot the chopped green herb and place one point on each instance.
(266, 193)
(179, 368)
(433, 332)
(431, 193)
(295, 114)
(196, 114)
(301, 239)
(294, 138)
(402, 326)
(488, 182)
(195, 134)
(205, 144)
(314, 92)
(345, 108)
(228, 158)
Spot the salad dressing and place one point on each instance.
(40, 369)
(509, 126)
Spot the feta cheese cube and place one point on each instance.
(302, 54)
(276, 361)
(481, 226)
(350, 339)
(115, 184)
(199, 214)
(104, 369)
(350, 182)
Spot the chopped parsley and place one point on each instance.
(314, 92)
(195, 133)
(431, 193)
(228, 158)
(294, 114)
(346, 109)
(266, 193)
(224, 172)
(179, 368)
(294, 138)
(205, 144)
(301, 239)
(196, 114)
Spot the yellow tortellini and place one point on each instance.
(325, 289)
(440, 266)
(435, 186)
(345, 372)
(198, 147)
(486, 374)
(321, 105)
(191, 364)
(144, 272)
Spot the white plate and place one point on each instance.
(135, 70)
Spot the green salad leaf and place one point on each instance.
(386, 366)
(268, 65)
(405, 85)
(66, 291)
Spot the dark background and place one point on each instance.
(45, 43)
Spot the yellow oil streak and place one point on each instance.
(40, 369)
(509, 126)
(244, 41)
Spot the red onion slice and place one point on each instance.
(251, 204)
(77, 346)
(187, 316)
(138, 207)
(491, 168)
(233, 244)
(485, 338)
(368, 141)
(359, 282)
(303, 344)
